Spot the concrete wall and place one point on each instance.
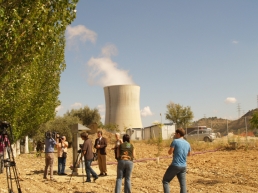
(135, 133)
(123, 106)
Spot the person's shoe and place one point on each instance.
(53, 180)
(95, 178)
(101, 174)
(105, 174)
(64, 174)
(45, 178)
(87, 181)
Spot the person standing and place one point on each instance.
(180, 149)
(126, 154)
(49, 155)
(88, 156)
(62, 155)
(100, 145)
(4, 143)
(117, 144)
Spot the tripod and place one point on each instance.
(9, 162)
(77, 163)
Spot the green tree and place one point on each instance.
(31, 60)
(86, 115)
(61, 125)
(181, 116)
(254, 120)
(111, 127)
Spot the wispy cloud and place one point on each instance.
(76, 105)
(230, 100)
(146, 112)
(59, 108)
(79, 33)
(235, 42)
(104, 72)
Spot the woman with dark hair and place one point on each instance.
(126, 154)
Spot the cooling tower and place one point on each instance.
(123, 106)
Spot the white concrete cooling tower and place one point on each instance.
(123, 106)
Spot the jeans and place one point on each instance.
(61, 165)
(128, 167)
(171, 172)
(89, 170)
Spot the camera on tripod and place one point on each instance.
(50, 134)
(80, 150)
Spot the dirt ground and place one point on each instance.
(215, 171)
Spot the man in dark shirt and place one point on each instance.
(100, 145)
(88, 156)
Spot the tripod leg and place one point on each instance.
(74, 164)
(82, 171)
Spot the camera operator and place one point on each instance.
(62, 154)
(4, 143)
(49, 155)
(88, 156)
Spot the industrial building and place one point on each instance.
(123, 106)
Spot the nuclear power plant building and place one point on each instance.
(123, 106)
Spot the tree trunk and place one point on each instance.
(18, 147)
(26, 145)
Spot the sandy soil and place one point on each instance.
(219, 171)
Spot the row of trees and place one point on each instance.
(61, 124)
(31, 60)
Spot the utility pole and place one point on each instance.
(239, 109)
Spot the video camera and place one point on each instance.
(3, 127)
(50, 134)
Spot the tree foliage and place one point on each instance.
(86, 115)
(61, 125)
(178, 114)
(254, 120)
(31, 60)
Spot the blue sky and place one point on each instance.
(202, 54)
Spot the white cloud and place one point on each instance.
(235, 42)
(76, 106)
(59, 108)
(146, 112)
(109, 50)
(104, 72)
(230, 100)
(81, 33)
(101, 108)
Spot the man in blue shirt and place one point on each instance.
(49, 155)
(180, 149)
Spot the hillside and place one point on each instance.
(220, 125)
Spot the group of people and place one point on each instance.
(124, 153)
(61, 145)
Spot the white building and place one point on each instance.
(152, 132)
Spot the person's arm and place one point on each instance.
(171, 150)
(189, 152)
(134, 154)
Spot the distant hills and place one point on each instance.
(220, 125)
